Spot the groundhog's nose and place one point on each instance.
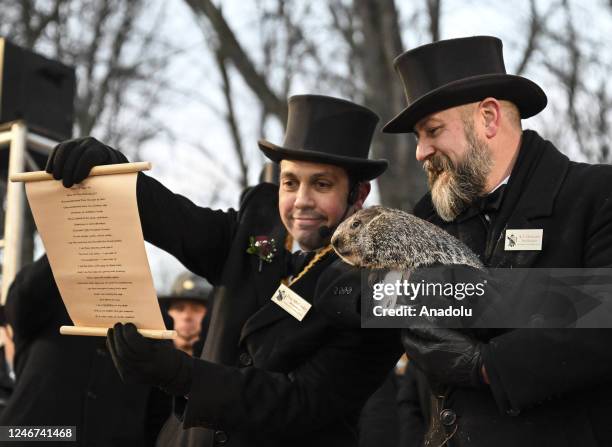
(335, 241)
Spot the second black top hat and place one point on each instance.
(453, 72)
(322, 129)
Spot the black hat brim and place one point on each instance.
(359, 168)
(525, 94)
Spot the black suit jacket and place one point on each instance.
(548, 387)
(264, 377)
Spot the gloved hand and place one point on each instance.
(72, 160)
(153, 362)
(446, 355)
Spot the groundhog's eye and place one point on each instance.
(355, 224)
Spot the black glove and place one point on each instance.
(154, 362)
(72, 160)
(446, 355)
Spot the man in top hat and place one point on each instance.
(488, 178)
(265, 377)
(187, 305)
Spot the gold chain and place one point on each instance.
(312, 262)
(288, 242)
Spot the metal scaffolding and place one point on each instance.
(18, 140)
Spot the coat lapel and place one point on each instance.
(268, 278)
(265, 316)
(533, 188)
(499, 257)
(528, 203)
(271, 312)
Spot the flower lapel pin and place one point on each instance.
(263, 247)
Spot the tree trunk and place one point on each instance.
(404, 182)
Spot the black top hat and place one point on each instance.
(188, 286)
(449, 73)
(322, 129)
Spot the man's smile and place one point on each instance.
(307, 221)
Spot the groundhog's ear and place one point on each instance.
(378, 226)
(366, 213)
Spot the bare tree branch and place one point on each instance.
(342, 19)
(114, 67)
(535, 27)
(403, 183)
(86, 119)
(433, 14)
(231, 120)
(233, 50)
(602, 124)
(569, 74)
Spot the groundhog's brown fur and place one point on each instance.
(385, 238)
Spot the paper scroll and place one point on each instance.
(95, 246)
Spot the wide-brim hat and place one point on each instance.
(453, 72)
(322, 129)
(190, 287)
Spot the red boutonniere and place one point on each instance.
(263, 247)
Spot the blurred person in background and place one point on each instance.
(188, 305)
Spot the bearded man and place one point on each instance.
(489, 178)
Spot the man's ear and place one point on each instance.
(489, 115)
(363, 190)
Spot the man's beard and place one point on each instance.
(313, 241)
(454, 188)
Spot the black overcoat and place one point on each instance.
(264, 378)
(548, 387)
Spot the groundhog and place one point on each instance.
(385, 238)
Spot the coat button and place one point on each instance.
(448, 417)
(513, 412)
(245, 359)
(220, 437)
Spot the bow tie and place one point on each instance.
(297, 260)
(491, 202)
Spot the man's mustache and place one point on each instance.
(438, 163)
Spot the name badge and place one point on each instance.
(294, 304)
(524, 240)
